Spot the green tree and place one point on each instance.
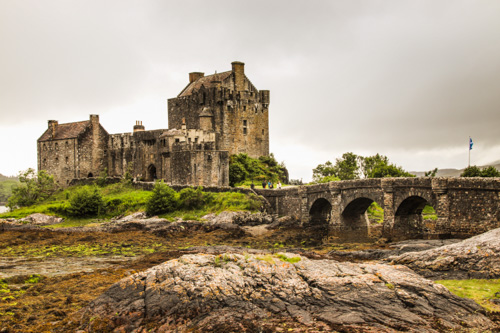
(243, 168)
(323, 171)
(33, 188)
(347, 167)
(85, 202)
(490, 171)
(163, 200)
(471, 171)
(474, 171)
(431, 173)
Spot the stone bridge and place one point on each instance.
(464, 206)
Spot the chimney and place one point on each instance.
(238, 70)
(195, 76)
(53, 127)
(138, 127)
(94, 119)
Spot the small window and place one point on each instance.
(244, 122)
(57, 159)
(262, 132)
(67, 144)
(177, 140)
(67, 159)
(44, 161)
(244, 130)
(195, 140)
(244, 107)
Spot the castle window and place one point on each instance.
(57, 159)
(44, 162)
(67, 144)
(244, 130)
(244, 123)
(67, 159)
(262, 132)
(177, 140)
(244, 107)
(195, 140)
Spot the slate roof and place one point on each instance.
(205, 81)
(66, 131)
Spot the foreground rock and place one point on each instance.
(234, 292)
(28, 222)
(476, 257)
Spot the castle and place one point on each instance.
(212, 118)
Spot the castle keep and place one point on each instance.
(212, 118)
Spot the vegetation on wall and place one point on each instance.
(352, 166)
(244, 170)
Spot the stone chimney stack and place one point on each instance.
(94, 119)
(239, 75)
(195, 76)
(138, 127)
(53, 127)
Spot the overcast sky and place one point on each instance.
(408, 79)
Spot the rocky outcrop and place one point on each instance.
(237, 292)
(394, 249)
(476, 257)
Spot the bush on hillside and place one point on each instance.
(193, 199)
(85, 202)
(163, 200)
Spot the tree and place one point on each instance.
(431, 173)
(347, 167)
(163, 200)
(474, 171)
(33, 188)
(244, 168)
(351, 166)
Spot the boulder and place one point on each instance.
(477, 257)
(41, 219)
(247, 292)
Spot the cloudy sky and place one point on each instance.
(409, 79)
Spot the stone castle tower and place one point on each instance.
(212, 118)
(229, 104)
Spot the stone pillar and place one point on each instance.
(388, 206)
(336, 213)
(304, 209)
(440, 189)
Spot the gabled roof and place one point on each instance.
(205, 81)
(66, 131)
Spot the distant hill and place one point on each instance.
(2, 177)
(453, 172)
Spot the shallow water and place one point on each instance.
(56, 266)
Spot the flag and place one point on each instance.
(470, 143)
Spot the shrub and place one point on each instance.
(163, 200)
(192, 199)
(33, 188)
(85, 201)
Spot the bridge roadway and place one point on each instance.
(464, 206)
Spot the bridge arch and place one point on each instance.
(408, 219)
(320, 212)
(354, 219)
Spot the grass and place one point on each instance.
(481, 291)
(123, 199)
(376, 213)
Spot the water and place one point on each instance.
(3, 209)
